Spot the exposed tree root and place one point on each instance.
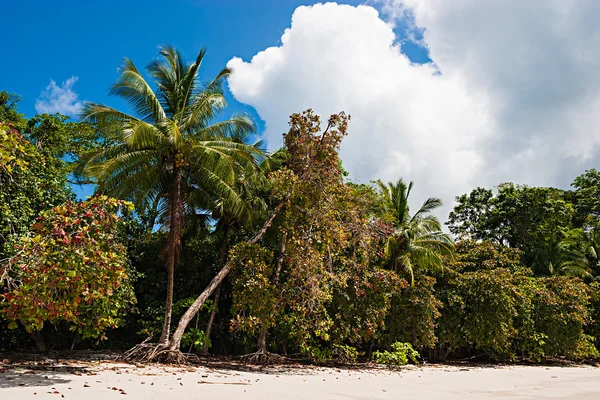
(151, 352)
(262, 358)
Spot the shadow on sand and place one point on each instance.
(36, 373)
(27, 378)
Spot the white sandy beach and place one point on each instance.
(115, 381)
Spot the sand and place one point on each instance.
(104, 381)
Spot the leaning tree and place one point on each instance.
(312, 155)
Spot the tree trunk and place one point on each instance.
(222, 261)
(280, 258)
(174, 241)
(39, 341)
(262, 341)
(211, 318)
(262, 336)
(216, 281)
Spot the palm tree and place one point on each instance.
(170, 147)
(418, 240)
(561, 257)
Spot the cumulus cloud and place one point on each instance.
(59, 98)
(512, 93)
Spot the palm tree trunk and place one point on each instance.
(216, 281)
(173, 245)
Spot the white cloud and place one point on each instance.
(59, 98)
(513, 94)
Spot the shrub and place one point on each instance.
(345, 353)
(413, 315)
(72, 268)
(401, 354)
(195, 338)
(593, 328)
(361, 303)
(479, 309)
(586, 348)
(560, 313)
(152, 319)
(317, 354)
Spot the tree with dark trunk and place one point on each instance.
(171, 148)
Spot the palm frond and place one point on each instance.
(428, 206)
(134, 89)
(237, 128)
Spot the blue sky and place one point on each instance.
(57, 40)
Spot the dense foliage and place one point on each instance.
(30, 182)
(72, 268)
(274, 253)
(37, 157)
(322, 285)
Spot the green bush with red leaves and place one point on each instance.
(72, 267)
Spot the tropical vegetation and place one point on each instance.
(198, 240)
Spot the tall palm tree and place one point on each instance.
(418, 240)
(171, 146)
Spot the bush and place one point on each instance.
(586, 349)
(152, 318)
(552, 314)
(72, 268)
(317, 354)
(560, 313)
(504, 313)
(478, 314)
(344, 353)
(195, 338)
(413, 315)
(593, 328)
(401, 354)
(360, 305)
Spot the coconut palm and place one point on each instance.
(417, 240)
(170, 147)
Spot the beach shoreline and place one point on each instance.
(101, 379)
